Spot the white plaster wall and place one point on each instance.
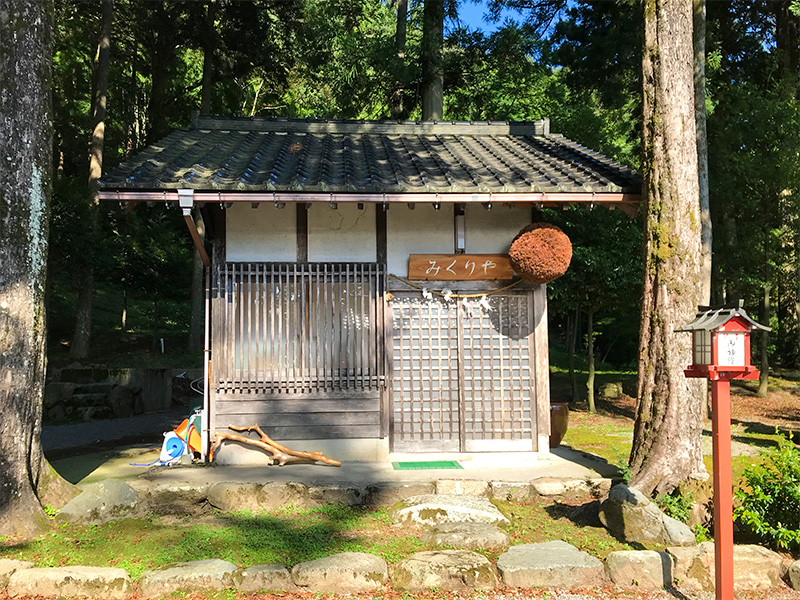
(341, 234)
(419, 231)
(265, 233)
(491, 231)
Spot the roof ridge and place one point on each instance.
(385, 127)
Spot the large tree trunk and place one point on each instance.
(396, 101)
(590, 356)
(25, 187)
(209, 49)
(79, 348)
(163, 55)
(431, 55)
(572, 336)
(197, 325)
(763, 381)
(667, 436)
(702, 148)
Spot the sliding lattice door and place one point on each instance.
(463, 374)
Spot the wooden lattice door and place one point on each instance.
(463, 374)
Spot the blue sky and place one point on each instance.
(471, 15)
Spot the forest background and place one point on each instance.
(577, 63)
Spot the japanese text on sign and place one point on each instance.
(459, 267)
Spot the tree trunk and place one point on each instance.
(590, 356)
(702, 148)
(572, 336)
(163, 55)
(796, 295)
(396, 101)
(79, 348)
(25, 187)
(787, 39)
(431, 55)
(763, 380)
(667, 436)
(197, 325)
(209, 49)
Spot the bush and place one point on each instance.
(677, 506)
(770, 501)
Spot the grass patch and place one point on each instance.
(607, 436)
(573, 521)
(243, 538)
(286, 536)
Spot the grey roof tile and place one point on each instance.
(371, 157)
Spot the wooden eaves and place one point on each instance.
(626, 202)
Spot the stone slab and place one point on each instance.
(444, 570)
(229, 496)
(631, 516)
(549, 564)
(346, 573)
(793, 575)
(643, 569)
(176, 498)
(9, 566)
(510, 490)
(439, 508)
(472, 536)
(273, 578)
(754, 568)
(458, 487)
(100, 502)
(197, 576)
(95, 582)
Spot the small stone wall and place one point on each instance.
(80, 393)
(554, 564)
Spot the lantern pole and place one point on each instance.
(723, 489)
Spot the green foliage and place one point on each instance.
(604, 277)
(769, 501)
(676, 505)
(701, 534)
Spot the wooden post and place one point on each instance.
(723, 489)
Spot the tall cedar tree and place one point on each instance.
(667, 436)
(25, 187)
(79, 348)
(432, 65)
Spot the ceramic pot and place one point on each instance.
(559, 421)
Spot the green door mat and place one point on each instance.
(426, 464)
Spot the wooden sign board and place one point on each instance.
(459, 267)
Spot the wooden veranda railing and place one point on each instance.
(298, 327)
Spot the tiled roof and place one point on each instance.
(292, 155)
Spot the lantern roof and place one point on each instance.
(711, 319)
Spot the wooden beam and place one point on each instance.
(541, 370)
(302, 232)
(381, 236)
(198, 243)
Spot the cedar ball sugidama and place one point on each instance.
(540, 253)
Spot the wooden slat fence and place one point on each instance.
(298, 328)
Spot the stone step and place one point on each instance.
(345, 573)
(195, 577)
(83, 375)
(94, 388)
(93, 582)
(549, 564)
(450, 570)
(89, 399)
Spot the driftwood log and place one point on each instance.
(280, 454)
